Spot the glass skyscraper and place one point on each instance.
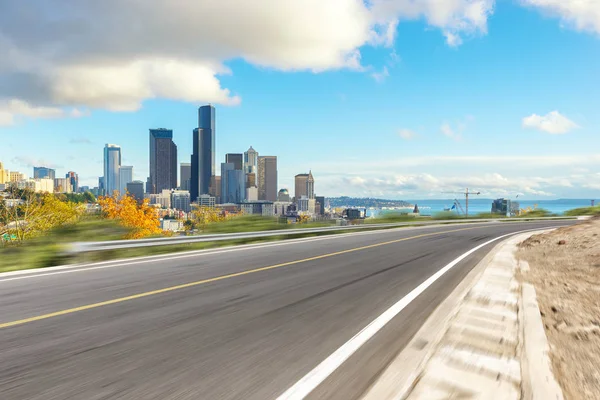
(112, 164)
(44, 172)
(163, 161)
(203, 153)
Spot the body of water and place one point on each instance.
(476, 206)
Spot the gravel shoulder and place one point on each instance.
(565, 270)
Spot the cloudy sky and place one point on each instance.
(388, 98)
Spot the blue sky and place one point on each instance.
(388, 98)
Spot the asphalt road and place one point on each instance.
(227, 324)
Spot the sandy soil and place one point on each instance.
(565, 270)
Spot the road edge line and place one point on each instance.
(323, 370)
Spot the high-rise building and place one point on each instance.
(300, 186)
(125, 177)
(180, 200)
(203, 152)
(321, 201)
(235, 159)
(250, 161)
(215, 188)
(233, 186)
(185, 173)
(136, 190)
(267, 178)
(310, 186)
(251, 180)
(43, 172)
(4, 175)
(112, 163)
(74, 180)
(163, 160)
(101, 186)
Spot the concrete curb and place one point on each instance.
(485, 341)
(541, 384)
(397, 380)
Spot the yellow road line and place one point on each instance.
(215, 279)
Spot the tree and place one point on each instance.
(202, 216)
(141, 218)
(31, 214)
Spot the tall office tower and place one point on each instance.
(235, 159)
(4, 174)
(125, 177)
(74, 180)
(203, 153)
(250, 161)
(267, 178)
(44, 172)
(185, 173)
(300, 186)
(163, 160)
(112, 163)
(310, 186)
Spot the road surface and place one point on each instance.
(231, 323)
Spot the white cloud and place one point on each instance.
(553, 123)
(380, 76)
(91, 55)
(448, 131)
(12, 109)
(407, 134)
(453, 17)
(583, 15)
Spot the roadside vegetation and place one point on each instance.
(576, 212)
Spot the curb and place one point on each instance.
(486, 340)
(541, 384)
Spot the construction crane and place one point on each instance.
(466, 193)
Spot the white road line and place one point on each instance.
(67, 269)
(315, 377)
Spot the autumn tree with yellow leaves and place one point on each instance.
(31, 214)
(140, 218)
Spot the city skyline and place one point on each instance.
(388, 100)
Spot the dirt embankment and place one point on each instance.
(565, 270)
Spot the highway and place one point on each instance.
(238, 323)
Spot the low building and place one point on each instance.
(281, 208)
(283, 195)
(257, 208)
(206, 200)
(43, 185)
(62, 185)
(173, 225)
(501, 207)
(180, 200)
(163, 199)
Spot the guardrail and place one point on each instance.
(84, 247)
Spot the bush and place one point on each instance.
(583, 211)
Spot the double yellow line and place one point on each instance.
(215, 279)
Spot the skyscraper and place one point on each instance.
(125, 177)
(74, 180)
(203, 152)
(250, 161)
(163, 160)
(267, 178)
(112, 163)
(300, 186)
(136, 190)
(44, 172)
(185, 173)
(235, 159)
(310, 186)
